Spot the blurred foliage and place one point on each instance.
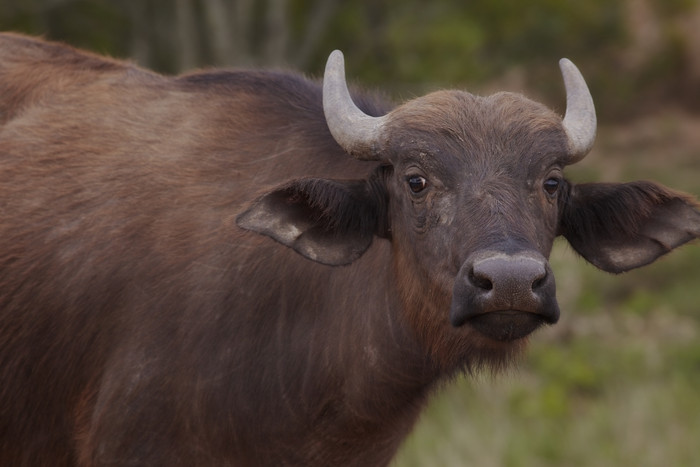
(636, 54)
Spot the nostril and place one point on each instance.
(480, 281)
(504, 296)
(539, 282)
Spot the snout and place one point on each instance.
(504, 296)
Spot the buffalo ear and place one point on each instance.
(621, 226)
(328, 221)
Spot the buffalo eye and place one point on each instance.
(417, 183)
(551, 185)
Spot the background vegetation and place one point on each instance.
(636, 53)
(617, 381)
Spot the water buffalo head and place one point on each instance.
(471, 193)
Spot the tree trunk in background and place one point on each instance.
(318, 19)
(276, 32)
(644, 33)
(140, 46)
(186, 32)
(218, 25)
(241, 22)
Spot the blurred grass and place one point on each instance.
(616, 382)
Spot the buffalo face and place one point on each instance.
(474, 200)
(471, 193)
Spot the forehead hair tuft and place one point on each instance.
(503, 120)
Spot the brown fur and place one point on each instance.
(139, 325)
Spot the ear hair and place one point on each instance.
(329, 221)
(621, 226)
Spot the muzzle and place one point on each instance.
(504, 296)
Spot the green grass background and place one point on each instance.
(617, 381)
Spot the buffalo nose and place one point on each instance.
(516, 277)
(505, 296)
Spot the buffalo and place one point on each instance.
(252, 268)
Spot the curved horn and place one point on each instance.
(579, 120)
(352, 129)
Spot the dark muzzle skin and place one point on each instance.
(504, 296)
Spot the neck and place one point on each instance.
(335, 361)
(383, 362)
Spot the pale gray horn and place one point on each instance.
(355, 131)
(579, 120)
